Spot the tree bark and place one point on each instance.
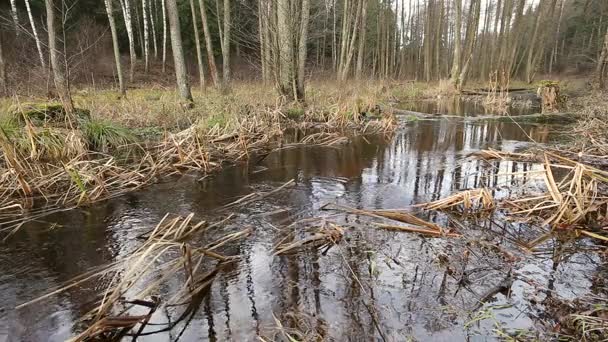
(455, 79)
(602, 65)
(226, 44)
(35, 32)
(164, 10)
(208, 44)
(59, 71)
(110, 11)
(286, 54)
(153, 25)
(302, 49)
(3, 82)
(362, 31)
(197, 42)
(126, 13)
(178, 52)
(15, 16)
(146, 36)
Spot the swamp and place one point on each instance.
(299, 170)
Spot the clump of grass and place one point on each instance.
(105, 136)
(294, 113)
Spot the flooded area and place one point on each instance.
(374, 285)
(522, 103)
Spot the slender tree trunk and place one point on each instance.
(164, 10)
(362, 31)
(197, 41)
(208, 44)
(35, 33)
(530, 66)
(59, 71)
(302, 49)
(15, 16)
(602, 65)
(226, 44)
(178, 52)
(3, 82)
(286, 53)
(110, 11)
(144, 8)
(151, 14)
(457, 45)
(126, 12)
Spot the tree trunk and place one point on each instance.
(362, 31)
(35, 32)
(59, 71)
(126, 12)
(226, 44)
(302, 49)
(15, 16)
(602, 65)
(530, 66)
(197, 42)
(153, 25)
(286, 55)
(208, 44)
(164, 10)
(3, 82)
(110, 11)
(178, 52)
(457, 45)
(146, 36)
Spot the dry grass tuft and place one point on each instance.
(476, 199)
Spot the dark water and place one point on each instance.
(398, 278)
(473, 106)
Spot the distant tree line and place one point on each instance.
(286, 42)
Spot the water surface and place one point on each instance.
(375, 285)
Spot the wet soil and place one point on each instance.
(375, 285)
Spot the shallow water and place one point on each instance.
(375, 285)
(524, 103)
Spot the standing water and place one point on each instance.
(375, 285)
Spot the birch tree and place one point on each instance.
(146, 36)
(35, 33)
(457, 44)
(178, 52)
(164, 10)
(110, 12)
(126, 12)
(197, 41)
(59, 72)
(151, 6)
(15, 16)
(302, 48)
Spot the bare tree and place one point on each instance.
(208, 44)
(362, 31)
(457, 44)
(302, 48)
(59, 72)
(146, 36)
(226, 44)
(602, 64)
(15, 16)
(126, 12)
(110, 11)
(178, 53)
(35, 33)
(164, 10)
(3, 82)
(197, 41)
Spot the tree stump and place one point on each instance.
(550, 97)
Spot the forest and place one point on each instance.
(303, 170)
